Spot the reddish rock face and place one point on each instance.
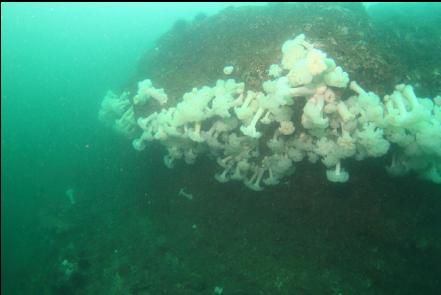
(249, 38)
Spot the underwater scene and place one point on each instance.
(221, 148)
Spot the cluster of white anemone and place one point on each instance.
(226, 121)
(117, 113)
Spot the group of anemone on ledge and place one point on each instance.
(226, 121)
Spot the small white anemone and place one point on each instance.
(254, 182)
(337, 175)
(228, 70)
(250, 130)
(286, 128)
(275, 71)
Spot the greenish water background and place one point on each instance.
(57, 61)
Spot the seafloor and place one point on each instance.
(131, 233)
